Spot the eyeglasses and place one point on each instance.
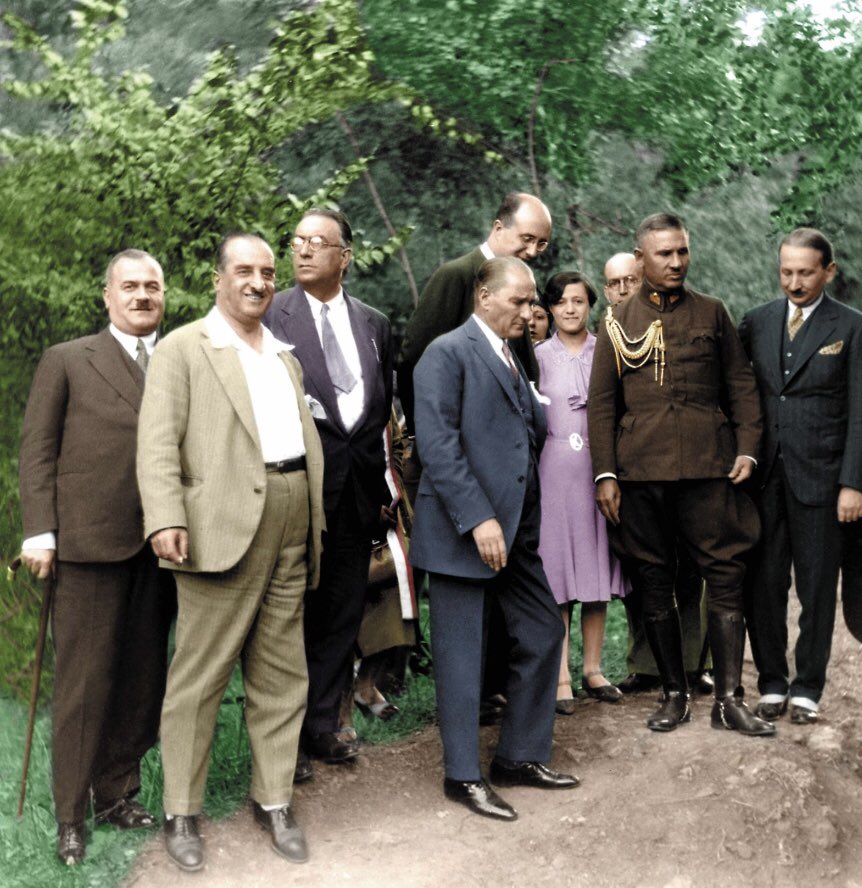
(617, 283)
(528, 240)
(315, 243)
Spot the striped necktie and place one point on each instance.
(794, 323)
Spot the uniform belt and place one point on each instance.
(297, 464)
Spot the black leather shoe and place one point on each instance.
(304, 770)
(71, 843)
(479, 798)
(508, 773)
(332, 747)
(287, 838)
(635, 682)
(566, 706)
(732, 713)
(491, 710)
(606, 693)
(125, 813)
(771, 711)
(702, 682)
(183, 842)
(799, 715)
(674, 709)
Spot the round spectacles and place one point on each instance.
(315, 243)
(617, 283)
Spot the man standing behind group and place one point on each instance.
(83, 523)
(231, 472)
(674, 425)
(623, 277)
(521, 228)
(345, 350)
(479, 430)
(806, 350)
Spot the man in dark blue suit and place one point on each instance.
(479, 430)
(806, 351)
(345, 350)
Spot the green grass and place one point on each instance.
(27, 858)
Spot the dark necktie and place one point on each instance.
(336, 364)
(794, 323)
(142, 359)
(507, 354)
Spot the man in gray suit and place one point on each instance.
(83, 524)
(806, 350)
(479, 430)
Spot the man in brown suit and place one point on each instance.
(230, 469)
(674, 422)
(83, 525)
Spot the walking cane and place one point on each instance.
(47, 596)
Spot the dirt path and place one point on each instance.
(697, 807)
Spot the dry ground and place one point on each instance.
(697, 807)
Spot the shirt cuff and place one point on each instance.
(749, 457)
(47, 540)
(603, 476)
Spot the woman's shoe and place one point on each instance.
(383, 709)
(565, 705)
(606, 693)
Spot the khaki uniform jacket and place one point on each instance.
(694, 425)
(200, 464)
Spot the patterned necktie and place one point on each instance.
(794, 323)
(142, 359)
(336, 364)
(507, 354)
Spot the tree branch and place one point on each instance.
(531, 120)
(403, 258)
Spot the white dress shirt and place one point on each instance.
(273, 397)
(806, 309)
(350, 404)
(496, 342)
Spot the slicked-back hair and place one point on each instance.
(811, 238)
(658, 222)
(127, 254)
(507, 209)
(338, 217)
(494, 273)
(221, 250)
(557, 284)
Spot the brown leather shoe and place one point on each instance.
(332, 747)
(287, 838)
(71, 843)
(125, 813)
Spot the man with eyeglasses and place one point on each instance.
(623, 277)
(344, 347)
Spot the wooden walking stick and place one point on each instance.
(47, 596)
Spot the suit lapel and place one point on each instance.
(297, 322)
(368, 348)
(773, 339)
(226, 364)
(494, 363)
(118, 371)
(822, 327)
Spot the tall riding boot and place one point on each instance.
(665, 641)
(727, 640)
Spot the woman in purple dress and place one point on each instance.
(574, 537)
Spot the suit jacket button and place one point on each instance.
(258, 490)
(520, 479)
(782, 398)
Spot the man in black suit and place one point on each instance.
(344, 347)
(479, 429)
(84, 525)
(806, 351)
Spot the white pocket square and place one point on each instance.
(315, 407)
(833, 348)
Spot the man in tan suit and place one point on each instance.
(231, 471)
(83, 525)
